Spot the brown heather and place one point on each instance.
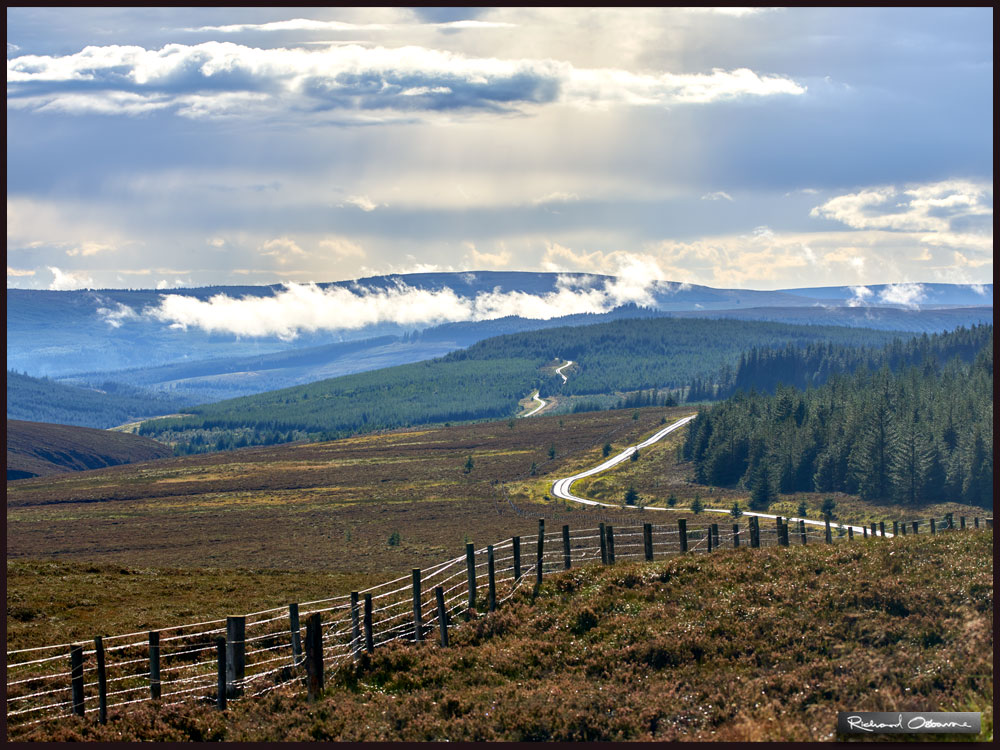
(742, 645)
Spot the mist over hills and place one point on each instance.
(213, 343)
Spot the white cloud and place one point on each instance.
(306, 307)
(216, 79)
(115, 316)
(717, 195)
(556, 197)
(19, 271)
(65, 280)
(341, 247)
(922, 208)
(90, 248)
(479, 260)
(907, 295)
(361, 201)
(310, 24)
(861, 296)
(282, 249)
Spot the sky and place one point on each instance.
(736, 148)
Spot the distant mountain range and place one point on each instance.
(94, 337)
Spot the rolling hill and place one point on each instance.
(37, 449)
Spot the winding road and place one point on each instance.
(542, 404)
(562, 488)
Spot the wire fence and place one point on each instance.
(265, 649)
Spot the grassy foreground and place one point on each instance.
(742, 645)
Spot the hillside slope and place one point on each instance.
(41, 399)
(740, 645)
(36, 449)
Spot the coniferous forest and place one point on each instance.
(914, 424)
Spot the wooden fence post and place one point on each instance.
(902, 528)
(516, 541)
(682, 534)
(802, 532)
(647, 541)
(736, 535)
(604, 544)
(916, 527)
(895, 529)
(236, 654)
(295, 628)
(961, 521)
(779, 522)
(864, 530)
(784, 534)
(850, 533)
(491, 572)
(881, 528)
(76, 676)
(442, 615)
(102, 681)
(220, 655)
(418, 628)
(470, 564)
(715, 534)
(829, 532)
(567, 556)
(541, 551)
(989, 523)
(976, 521)
(154, 664)
(314, 654)
(355, 625)
(611, 544)
(874, 529)
(933, 527)
(708, 535)
(367, 622)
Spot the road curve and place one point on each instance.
(541, 405)
(562, 488)
(559, 370)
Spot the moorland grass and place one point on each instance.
(741, 645)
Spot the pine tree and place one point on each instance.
(762, 491)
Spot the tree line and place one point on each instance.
(912, 425)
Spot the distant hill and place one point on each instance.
(43, 400)
(933, 320)
(37, 449)
(487, 380)
(65, 333)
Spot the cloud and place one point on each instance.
(19, 271)
(306, 307)
(90, 248)
(907, 295)
(223, 79)
(65, 280)
(718, 195)
(361, 201)
(479, 260)
(861, 296)
(310, 24)
(979, 289)
(341, 247)
(115, 316)
(932, 207)
(282, 249)
(556, 197)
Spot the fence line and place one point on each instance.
(274, 656)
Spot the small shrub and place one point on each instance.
(394, 539)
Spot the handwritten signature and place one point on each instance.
(916, 722)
